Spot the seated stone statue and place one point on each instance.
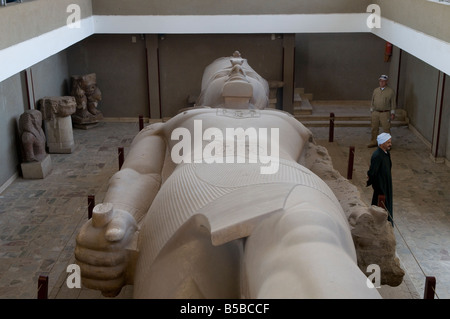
(32, 136)
(217, 203)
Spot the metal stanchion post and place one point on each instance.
(42, 287)
(331, 133)
(91, 205)
(141, 122)
(121, 157)
(382, 201)
(430, 287)
(351, 157)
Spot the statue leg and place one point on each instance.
(92, 108)
(189, 266)
(304, 251)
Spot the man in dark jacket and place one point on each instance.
(379, 174)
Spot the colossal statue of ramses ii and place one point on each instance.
(218, 202)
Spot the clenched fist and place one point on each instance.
(103, 249)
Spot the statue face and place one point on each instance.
(89, 88)
(36, 118)
(233, 79)
(30, 120)
(68, 101)
(67, 106)
(237, 73)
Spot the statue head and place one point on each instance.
(89, 83)
(30, 120)
(230, 82)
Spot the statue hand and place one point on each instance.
(103, 249)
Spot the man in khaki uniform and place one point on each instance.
(382, 109)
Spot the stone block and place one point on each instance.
(37, 170)
(57, 113)
(60, 135)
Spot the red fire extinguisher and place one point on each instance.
(387, 51)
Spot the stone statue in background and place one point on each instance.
(87, 96)
(57, 113)
(189, 215)
(32, 136)
(36, 162)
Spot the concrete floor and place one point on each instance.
(39, 219)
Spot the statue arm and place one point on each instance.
(134, 187)
(106, 246)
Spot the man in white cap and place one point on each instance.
(382, 109)
(379, 174)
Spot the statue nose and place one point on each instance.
(237, 69)
(237, 73)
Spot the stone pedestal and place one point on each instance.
(78, 123)
(37, 170)
(57, 113)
